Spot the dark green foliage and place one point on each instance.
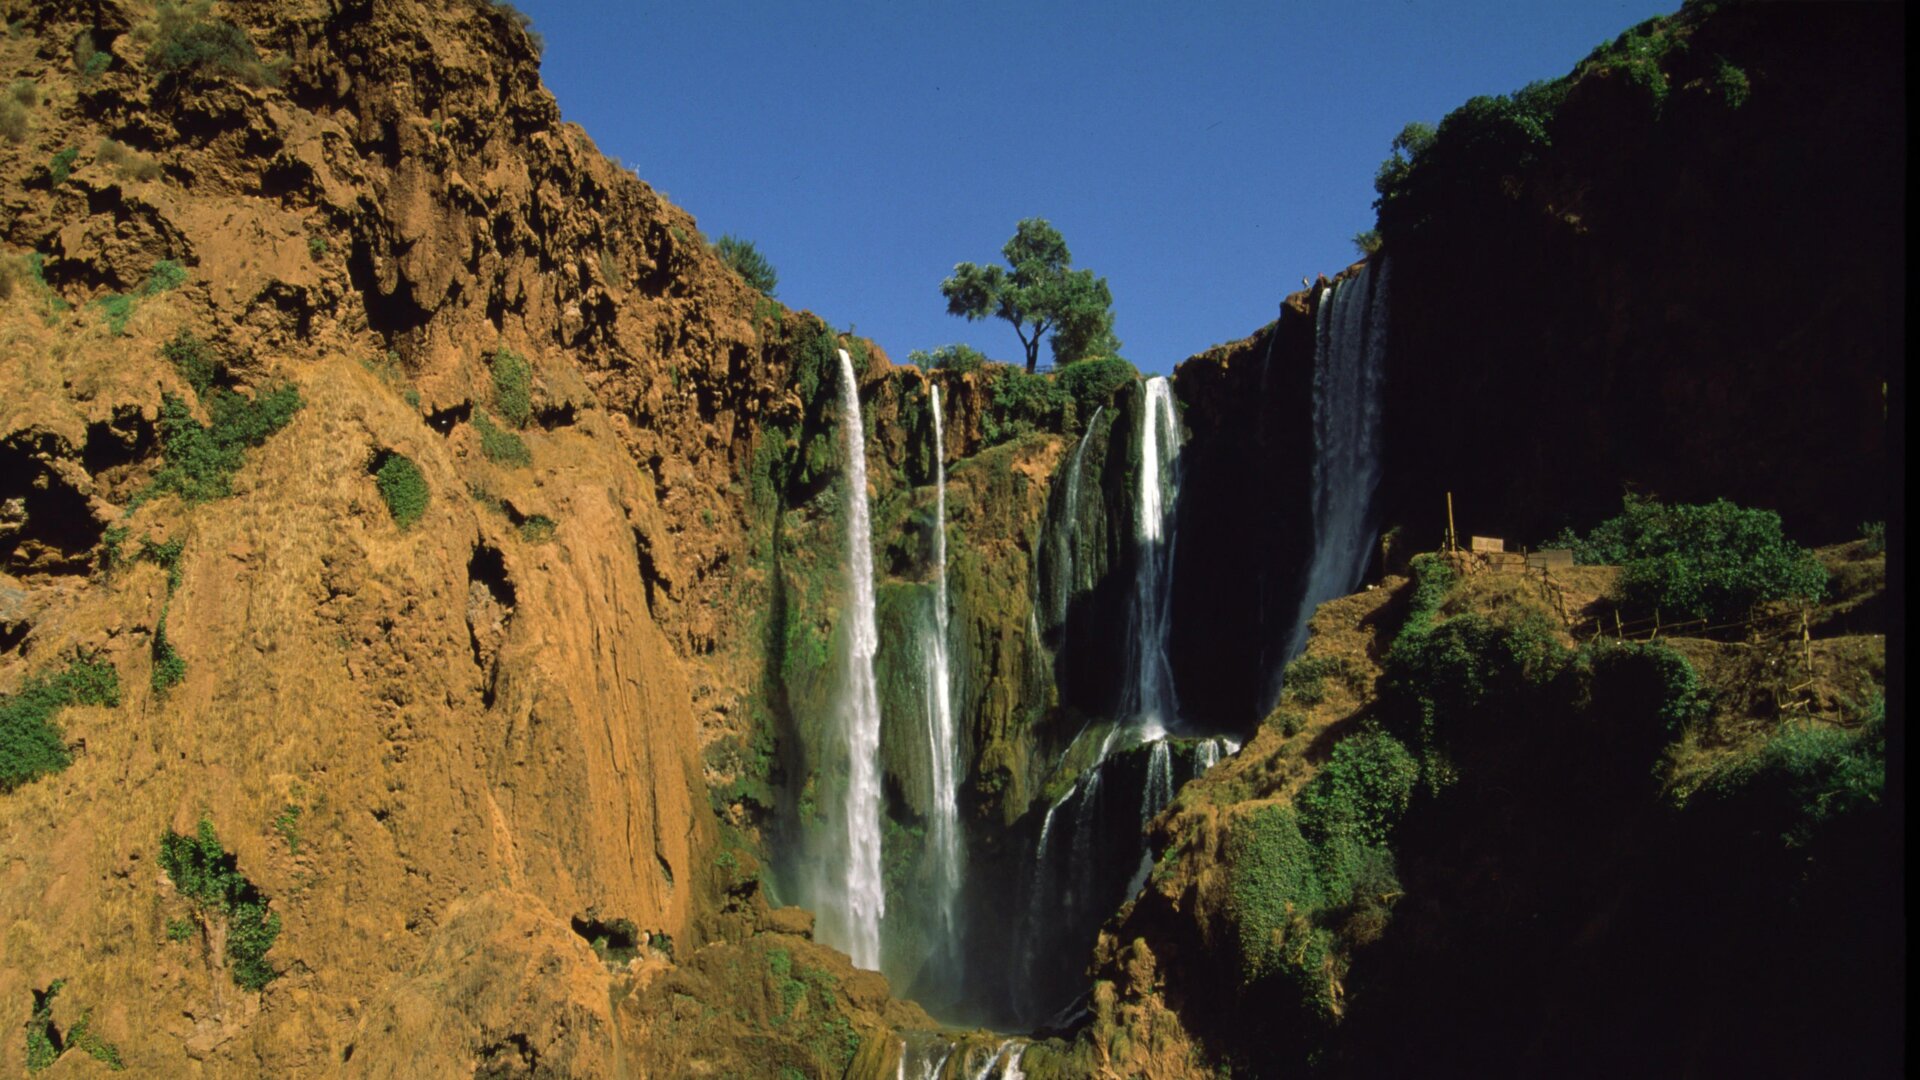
(501, 447)
(745, 259)
(166, 274)
(1367, 242)
(30, 742)
(168, 667)
(512, 386)
(1020, 402)
(1361, 792)
(1714, 561)
(1304, 680)
(165, 556)
(111, 560)
(1805, 778)
(194, 359)
(84, 1039)
(1273, 889)
(537, 529)
(192, 44)
(404, 488)
(956, 358)
(1732, 82)
(316, 247)
(180, 929)
(200, 460)
(116, 308)
(1039, 295)
(1447, 684)
(61, 167)
(43, 1039)
(287, 824)
(209, 876)
(1090, 384)
(88, 60)
(1647, 683)
(1875, 534)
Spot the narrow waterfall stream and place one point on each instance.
(855, 924)
(943, 826)
(1152, 705)
(1349, 360)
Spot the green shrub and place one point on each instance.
(180, 929)
(1090, 384)
(501, 447)
(84, 1039)
(88, 60)
(190, 43)
(1361, 792)
(61, 165)
(209, 876)
(31, 745)
(1714, 561)
(512, 386)
(404, 488)
(166, 274)
(116, 309)
(194, 359)
(1732, 82)
(1305, 678)
(1646, 683)
(200, 459)
(316, 248)
(1443, 685)
(537, 529)
(1019, 402)
(1273, 891)
(745, 259)
(956, 358)
(1804, 778)
(1875, 534)
(129, 165)
(42, 1050)
(1367, 242)
(168, 666)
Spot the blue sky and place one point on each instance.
(1203, 157)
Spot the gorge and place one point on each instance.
(482, 634)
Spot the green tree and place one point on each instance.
(1040, 294)
(746, 260)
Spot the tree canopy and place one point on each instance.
(1041, 294)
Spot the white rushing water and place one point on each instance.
(1349, 361)
(856, 925)
(943, 825)
(1070, 543)
(1153, 704)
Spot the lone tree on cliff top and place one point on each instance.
(1040, 294)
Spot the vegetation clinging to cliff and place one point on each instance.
(30, 742)
(209, 876)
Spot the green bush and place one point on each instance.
(537, 529)
(129, 165)
(512, 386)
(1090, 384)
(1305, 678)
(956, 358)
(404, 488)
(1875, 534)
(501, 447)
(61, 166)
(194, 359)
(1273, 891)
(1444, 685)
(1647, 683)
(1732, 82)
(1714, 561)
(88, 60)
(745, 259)
(1361, 792)
(168, 666)
(209, 876)
(200, 459)
(14, 126)
(84, 1039)
(1803, 779)
(190, 43)
(42, 1050)
(1019, 402)
(31, 745)
(166, 274)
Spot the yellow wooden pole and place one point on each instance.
(1452, 539)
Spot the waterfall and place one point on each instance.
(1153, 704)
(1013, 1071)
(1159, 788)
(1070, 543)
(855, 922)
(1349, 359)
(998, 1054)
(943, 826)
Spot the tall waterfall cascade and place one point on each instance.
(854, 923)
(943, 825)
(1349, 364)
(1152, 702)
